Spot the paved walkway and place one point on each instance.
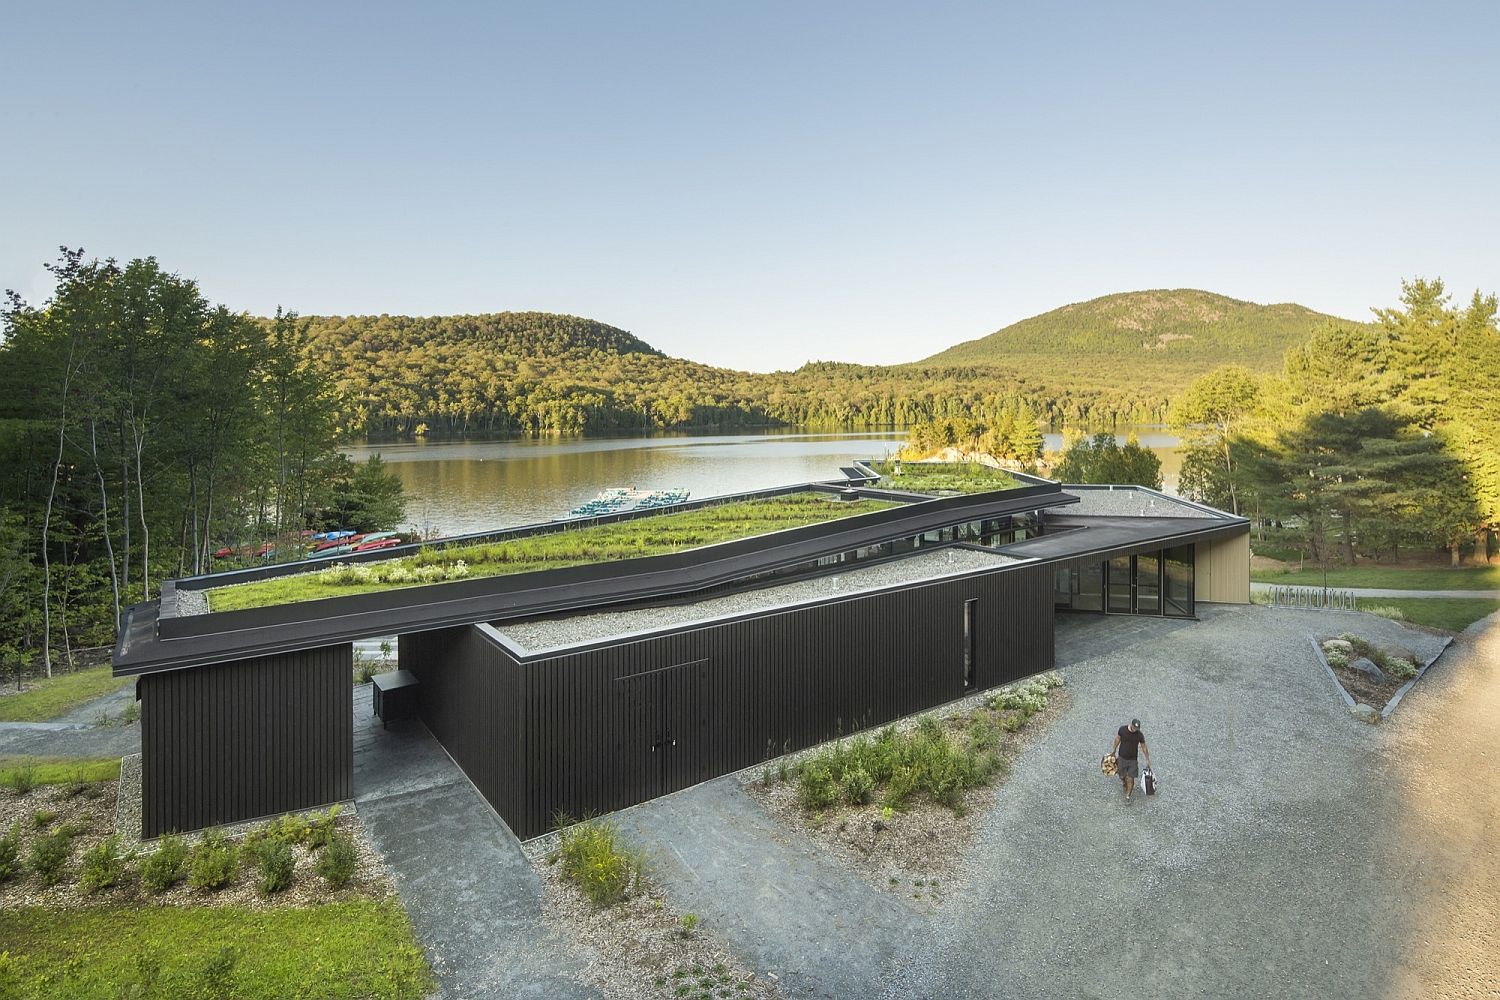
(1493, 595)
(473, 898)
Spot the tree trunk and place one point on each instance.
(109, 545)
(1453, 552)
(1482, 545)
(62, 423)
(145, 529)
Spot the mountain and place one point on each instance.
(1182, 329)
(1118, 359)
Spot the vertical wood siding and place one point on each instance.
(593, 731)
(236, 741)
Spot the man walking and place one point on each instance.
(1129, 742)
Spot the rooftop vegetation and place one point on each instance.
(650, 536)
(943, 477)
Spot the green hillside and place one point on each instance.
(1113, 360)
(1180, 330)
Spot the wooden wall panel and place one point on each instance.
(236, 741)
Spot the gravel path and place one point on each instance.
(61, 739)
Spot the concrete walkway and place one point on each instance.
(473, 898)
(1493, 595)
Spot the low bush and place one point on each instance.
(103, 865)
(20, 780)
(42, 818)
(50, 854)
(276, 862)
(166, 866)
(593, 859)
(10, 852)
(927, 761)
(216, 977)
(1400, 668)
(321, 827)
(337, 861)
(213, 862)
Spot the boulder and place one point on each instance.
(1402, 653)
(1370, 670)
(1364, 713)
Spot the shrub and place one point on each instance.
(858, 785)
(166, 866)
(816, 786)
(593, 860)
(42, 818)
(1401, 668)
(337, 861)
(276, 862)
(77, 784)
(1337, 658)
(50, 853)
(21, 780)
(900, 788)
(10, 852)
(1392, 612)
(293, 828)
(213, 863)
(982, 734)
(321, 826)
(103, 865)
(130, 714)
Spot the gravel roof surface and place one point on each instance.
(1100, 502)
(556, 632)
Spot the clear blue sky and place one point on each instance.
(757, 184)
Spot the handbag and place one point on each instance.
(1148, 778)
(1108, 765)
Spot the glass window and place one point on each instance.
(1120, 576)
(1179, 585)
(1148, 585)
(1090, 593)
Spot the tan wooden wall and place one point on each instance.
(1222, 570)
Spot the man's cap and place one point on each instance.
(1136, 723)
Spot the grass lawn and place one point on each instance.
(48, 697)
(648, 536)
(1453, 614)
(336, 950)
(949, 477)
(61, 770)
(1391, 577)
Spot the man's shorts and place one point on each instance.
(1129, 767)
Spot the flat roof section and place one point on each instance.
(549, 634)
(1134, 501)
(1071, 537)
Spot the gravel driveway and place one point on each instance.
(1285, 856)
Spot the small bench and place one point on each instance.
(394, 695)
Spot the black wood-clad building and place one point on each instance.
(602, 728)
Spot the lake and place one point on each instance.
(454, 487)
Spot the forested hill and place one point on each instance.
(1115, 359)
(1183, 328)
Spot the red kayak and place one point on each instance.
(379, 543)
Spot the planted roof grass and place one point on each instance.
(943, 477)
(649, 536)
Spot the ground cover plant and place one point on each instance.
(648, 536)
(45, 698)
(942, 477)
(903, 805)
(358, 949)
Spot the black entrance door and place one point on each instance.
(664, 744)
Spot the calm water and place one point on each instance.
(461, 486)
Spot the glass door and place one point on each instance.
(1120, 578)
(1147, 585)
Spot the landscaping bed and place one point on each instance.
(903, 807)
(942, 477)
(1393, 667)
(600, 893)
(308, 887)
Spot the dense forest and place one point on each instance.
(142, 427)
(538, 373)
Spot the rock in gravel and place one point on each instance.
(1364, 713)
(1369, 669)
